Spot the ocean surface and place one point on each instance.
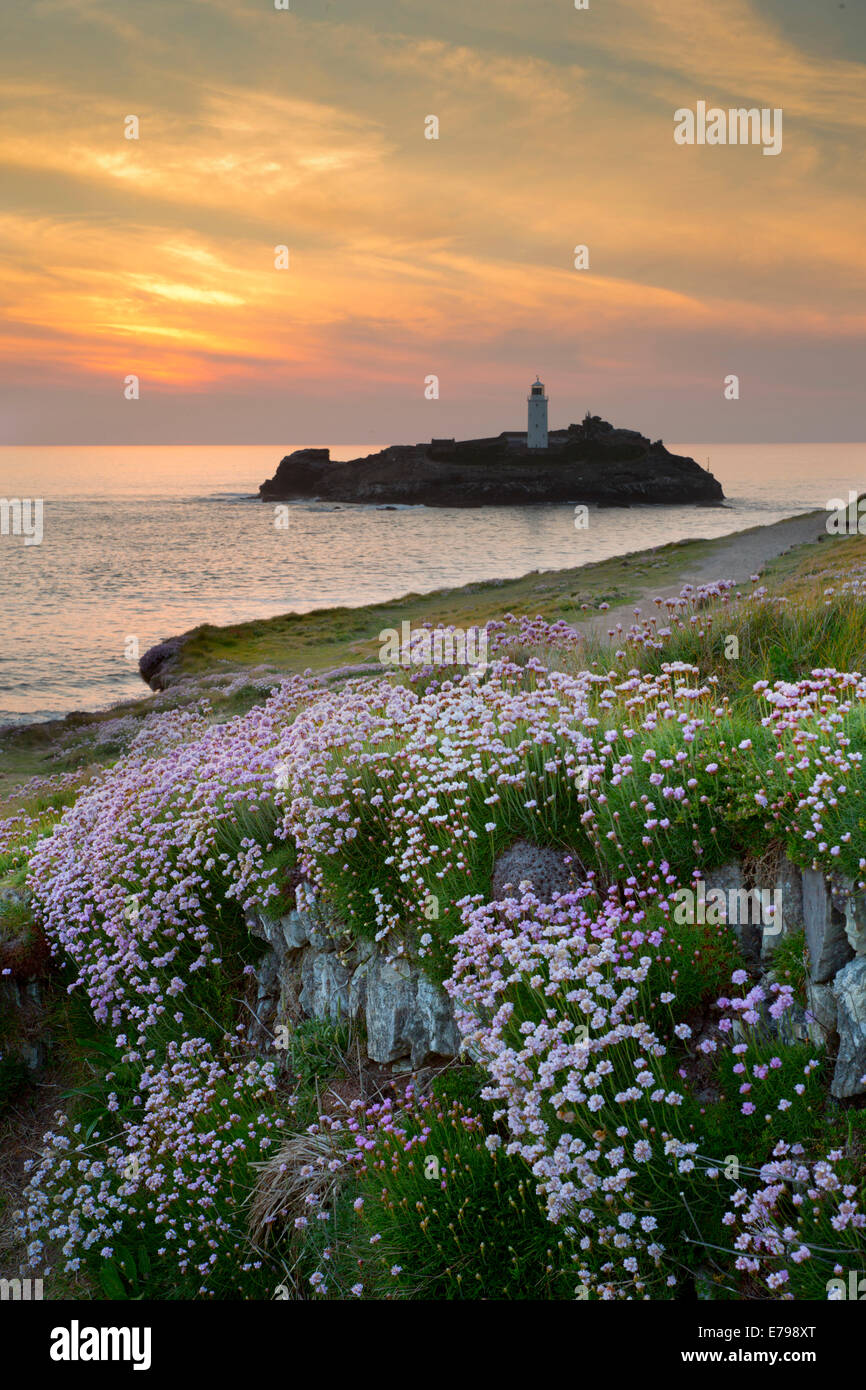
(146, 543)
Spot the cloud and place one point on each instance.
(407, 254)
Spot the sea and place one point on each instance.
(142, 543)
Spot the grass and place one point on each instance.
(333, 637)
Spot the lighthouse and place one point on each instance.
(536, 432)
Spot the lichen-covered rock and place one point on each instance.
(849, 987)
(828, 945)
(550, 871)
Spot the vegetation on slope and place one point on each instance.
(620, 1061)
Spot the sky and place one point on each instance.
(409, 257)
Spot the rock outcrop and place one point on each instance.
(314, 970)
(156, 665)
(309, 972)
(589, 463)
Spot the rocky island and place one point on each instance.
(591, 463)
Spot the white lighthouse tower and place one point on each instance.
(536, 432)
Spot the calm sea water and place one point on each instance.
(148, 542)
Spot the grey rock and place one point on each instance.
(820, 1011)
(288, 933)
(358, 992)
(324, 986)
(267, 977)
(841, 889)
(825, 929)
(304, 973)
(855, 923)
(296, 929)
(406, 1014)
(793, 1026)
(31, 1052)
(849, 987)
(740, 910)
(364, 948)
(539, 865)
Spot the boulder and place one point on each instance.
(546, 869)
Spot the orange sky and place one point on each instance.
(411, 257)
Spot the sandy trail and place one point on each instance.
(736, 557)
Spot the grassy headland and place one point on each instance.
(201, 1164)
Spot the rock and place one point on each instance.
(324, 987)
(855, 923)
(406, 1015)
(358, 992)
(288, 933)
(31, 1051)
(789, 919)
(825, 929)
(295, 927)
(546, 869)
(581, 464)
(304, 974)
(849, 987)
(267, 977)
(820, 1011)
(740, 908)
(158, 663)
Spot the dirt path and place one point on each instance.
(736, 557)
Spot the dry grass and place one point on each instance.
(295, 1181)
